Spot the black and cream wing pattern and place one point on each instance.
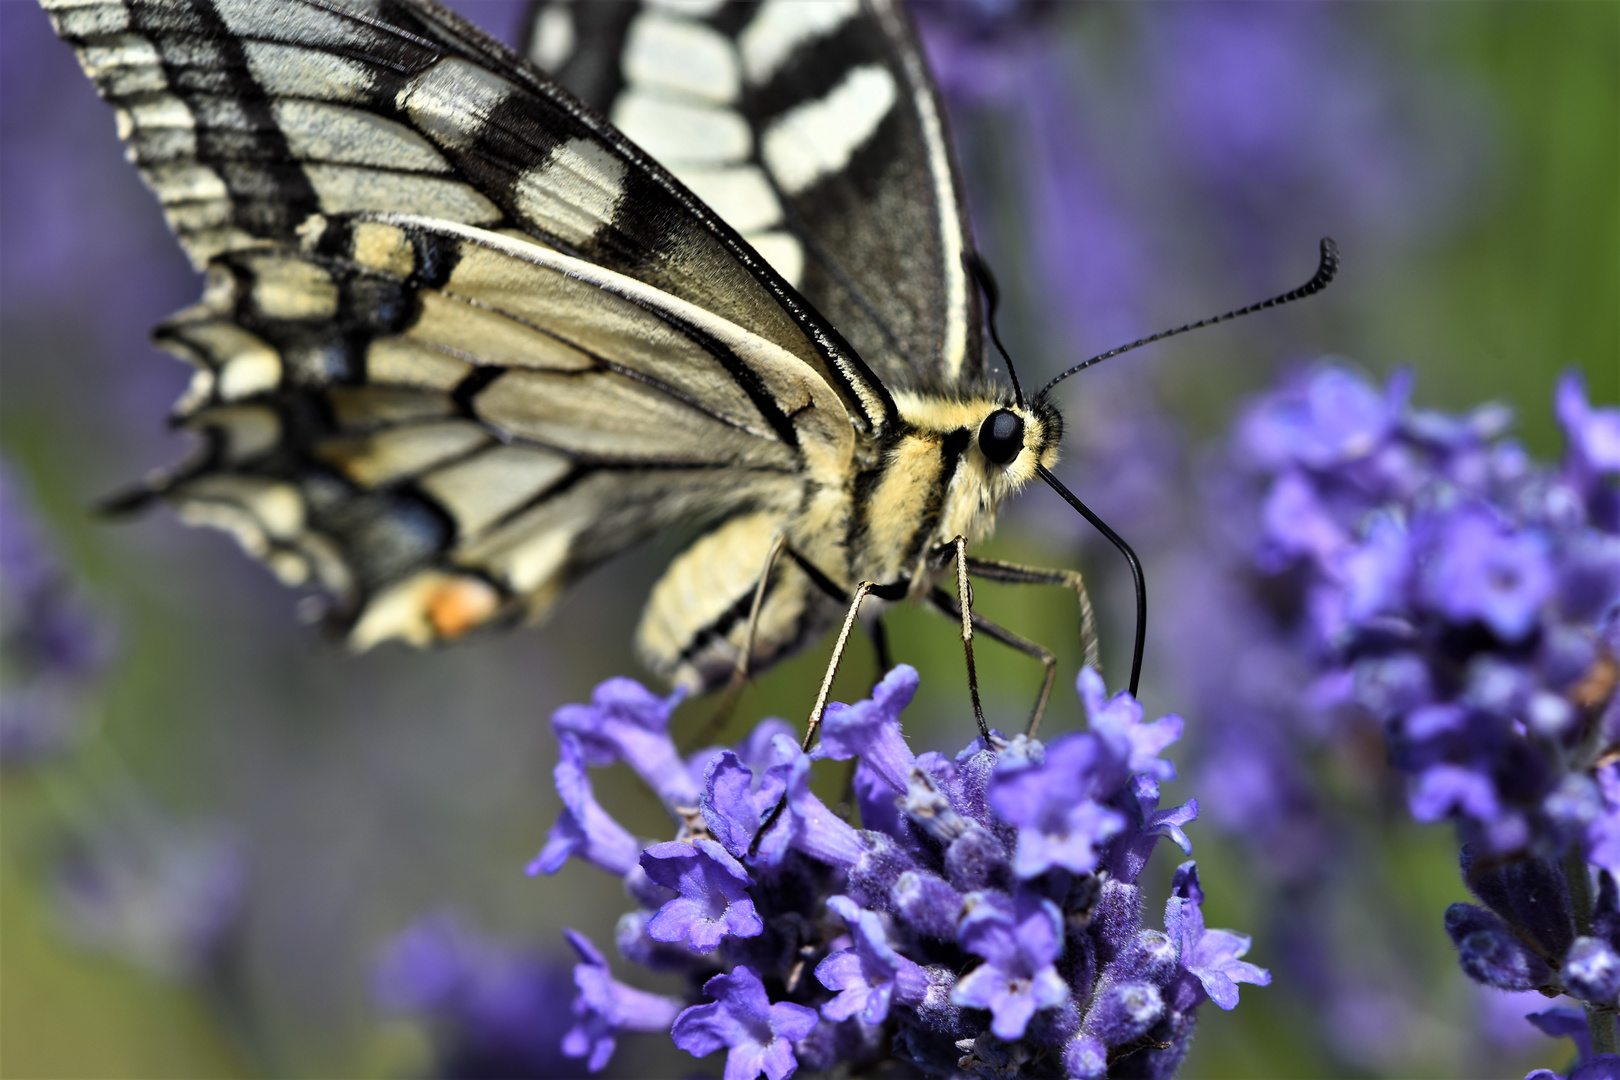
(461, 338)
(812, 126)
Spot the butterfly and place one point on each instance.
(470, 329)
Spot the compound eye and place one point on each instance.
(1001, 436)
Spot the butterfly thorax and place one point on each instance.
(935, 482)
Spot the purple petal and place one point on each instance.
(870, 729)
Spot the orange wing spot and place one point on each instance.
(460, 604)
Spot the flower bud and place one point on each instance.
(1592, 971)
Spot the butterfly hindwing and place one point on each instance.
(814, 129)
(442, 425)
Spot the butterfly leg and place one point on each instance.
(1014, 574)
(862, 590)
(964, 600)
(947, 603)
(880, 646)
(739, 674)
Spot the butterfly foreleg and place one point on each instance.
(880, 646)
(862, 591)
(1014, 574)
(948, 604)
(964, 609)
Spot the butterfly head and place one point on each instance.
(992, 442)
(1013, 438)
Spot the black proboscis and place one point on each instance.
(1130, 557)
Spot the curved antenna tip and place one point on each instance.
(1327, 268)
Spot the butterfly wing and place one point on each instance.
(461, 339)
(812, 126)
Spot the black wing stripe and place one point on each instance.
(502, 127)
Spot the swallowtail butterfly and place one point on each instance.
(470, 328)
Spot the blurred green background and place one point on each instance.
(366, 790)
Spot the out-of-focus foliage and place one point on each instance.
(1131, 167)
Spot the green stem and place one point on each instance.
(1579, 880)
(1605, 1036)
(1605, 1032)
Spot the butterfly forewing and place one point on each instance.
(247, 117)
(813, 128)
(463, 338)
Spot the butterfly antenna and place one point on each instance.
(992, 296)
(1325, 270)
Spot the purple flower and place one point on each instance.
(1480, 569)
(1326, 418)
(1297, 522)
(1592, 971)
(1368, 578)
(1060, 824)
(713, 902)
(1603, 832)
(1125, 1012)
(583, 828)
(870, 729)
(1601, 1067)
(605, 1006)
(759, 749)
(808, 825)
(1118, 722)
(626, 721)
(1149, 823)
(1018, 942)
(870, 975)
(497, 1010)
(1562, 1022)
(931, 880)
(1491, 953)
(1442, 790)
(737, 797)
(425, 967)
(163, 896)
(1469, 611)
(50, 644)
(757, 1035)
(1212, 956)
(1593, 434)
(1086, 1058)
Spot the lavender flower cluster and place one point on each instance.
(51, 646)
(985, 920)
(492, 1006)
(1468, 599)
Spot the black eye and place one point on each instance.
(1001, 436)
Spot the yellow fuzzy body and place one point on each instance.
(931, 491)
(928, 483)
